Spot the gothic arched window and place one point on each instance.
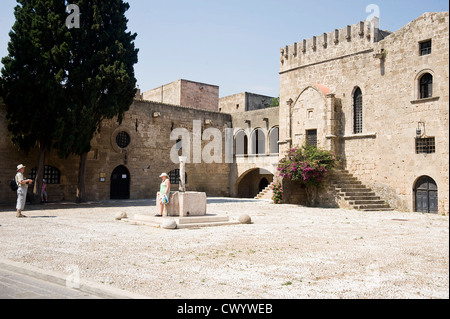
(357, 111)
(426, 86)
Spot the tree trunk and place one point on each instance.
(36, 196)
(81, 189)
(311, 194)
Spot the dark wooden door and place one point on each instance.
(120, 183)
(426, 195)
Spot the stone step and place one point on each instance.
(361, 198)
(373, 208)
(201, 219)
(366, 202)
(209, 224)
(207, 220)
(342, 183)
(351, 187)
(355, 193)
(265, 193)
(354, 190)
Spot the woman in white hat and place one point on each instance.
(164, 190)
(22, 190)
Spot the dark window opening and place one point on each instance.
(52, 175)
(425, 47)
(311, 137)
(426, 86)
(425, 145)
(123, 139)
(273, 139)
(357, 111)
(259, 142)
(241, 143)
(174, 176)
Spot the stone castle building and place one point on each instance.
(126, 160)
(378, 99)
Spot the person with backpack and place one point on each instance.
(22, 190)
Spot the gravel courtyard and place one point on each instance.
(287, 252)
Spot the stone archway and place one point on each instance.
(309, 113)
(249, 183)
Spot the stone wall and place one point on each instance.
(383, 156)
(244, 102)
(186, 93)
(148, 124)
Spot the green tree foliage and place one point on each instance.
(59, 84)
(275, 102)
(101, 82)
(33, 73)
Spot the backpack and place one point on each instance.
(13, 185)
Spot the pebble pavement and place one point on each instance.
(287, 252)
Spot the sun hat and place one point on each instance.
(20, 166)
(163, 174)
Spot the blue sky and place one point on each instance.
(234, 44)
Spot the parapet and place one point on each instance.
(338, 43)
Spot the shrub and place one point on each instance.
(277, 196)
(309, 165)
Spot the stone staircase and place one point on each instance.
(266, 193)
(351, 193)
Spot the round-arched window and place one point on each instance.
(123, 139)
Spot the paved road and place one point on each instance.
(19, 286)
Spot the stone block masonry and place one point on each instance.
(318, 94)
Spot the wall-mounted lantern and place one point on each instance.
(420, 131)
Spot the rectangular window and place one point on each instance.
(311, 137)
(51, 174)
(425, 47)
(425, 145)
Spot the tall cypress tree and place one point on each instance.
(101, 83)
(33, 75)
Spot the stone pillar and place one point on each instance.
(182, 174)
(331, 123)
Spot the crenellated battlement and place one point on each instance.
(340, 42)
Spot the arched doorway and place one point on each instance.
(426, 195)
(263, 184)
(249, 184)
(120, 183)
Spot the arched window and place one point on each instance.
(241, 143)
(357, 111)
(258, 142)
(426, 86)
(273, 140)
